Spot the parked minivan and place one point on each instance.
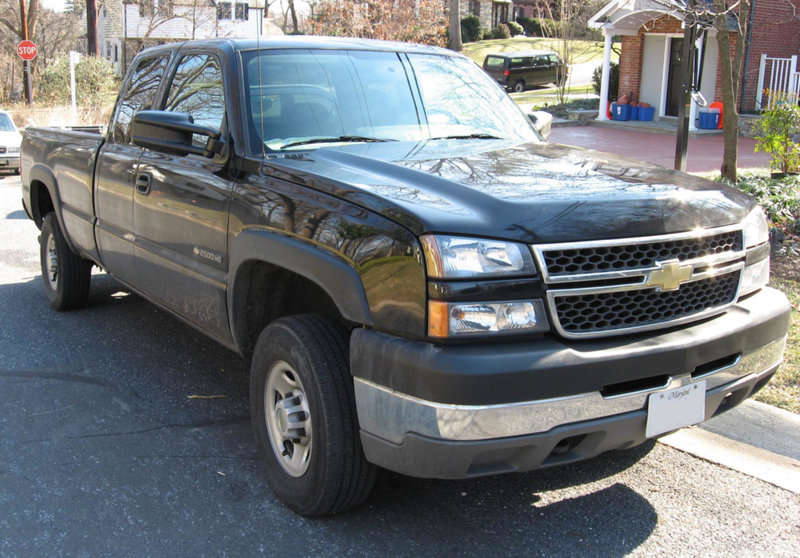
(517, 71)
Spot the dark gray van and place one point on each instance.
(517, 71)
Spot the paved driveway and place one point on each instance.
(102, 453)
(704, 154)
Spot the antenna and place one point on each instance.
(260, 85)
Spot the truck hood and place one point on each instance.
(536, 193)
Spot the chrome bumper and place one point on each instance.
(391, 415)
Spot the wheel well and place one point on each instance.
(264, 292)
(41, 202)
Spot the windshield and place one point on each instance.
(309, 98)
(6, 125)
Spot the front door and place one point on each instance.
(181, 206)
(674, 86)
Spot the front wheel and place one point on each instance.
(304, 416)
(66, 275)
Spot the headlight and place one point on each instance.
(754, 277)
(756, 230)
(454, 257)
(13, 149)
(453, 319)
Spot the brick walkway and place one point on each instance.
(704, 154)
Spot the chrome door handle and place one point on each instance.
(143, 183)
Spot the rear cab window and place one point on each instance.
(139, 95)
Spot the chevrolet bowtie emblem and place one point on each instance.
(669, 275)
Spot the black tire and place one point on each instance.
(519, 87)
(68, 287)
(338, 477)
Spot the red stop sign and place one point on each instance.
(26, 50)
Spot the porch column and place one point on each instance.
(603, 114)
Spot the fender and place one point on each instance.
(331, 273)
(40, 172)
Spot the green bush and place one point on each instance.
(501, 32)
(470, 28)
(95, 81)
(515, 28)
(613, 81)
(780, 198)
(531, 26)
(779, 128)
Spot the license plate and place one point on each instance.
(675, 408)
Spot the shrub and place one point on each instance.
(515, 28)
(779, 128)
(531, 26)
(779, 198)
(613, 81)
(470, 28)
(95, 81)
(501, 31)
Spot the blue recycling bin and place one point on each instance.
(621, 112)
(647, 114)
(634, 115)
(709, 119)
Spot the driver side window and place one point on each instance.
(197, 90)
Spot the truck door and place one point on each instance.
(116, 170)
(181, 205)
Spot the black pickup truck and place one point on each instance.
(419, 279)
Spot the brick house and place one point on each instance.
(124, 27)
(489, 12)
(650, 51)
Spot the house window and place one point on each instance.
(224, 10)
(475, 7)
(116, 53)
(166, 8)
(519, 13)
(146, 8)
(242, 11)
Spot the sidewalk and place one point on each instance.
(704, 154)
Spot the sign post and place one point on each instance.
(74, 58)
(27, 51)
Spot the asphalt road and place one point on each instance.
(103, 453)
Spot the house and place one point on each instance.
(652, 35)
(489, 12)
(125, 27)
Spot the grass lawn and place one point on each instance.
(584, 51)
(784, 389)
(547, 96)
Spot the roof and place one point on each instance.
(520, 53)
(272, 42)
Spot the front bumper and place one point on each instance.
(420, 436)
(8, 162)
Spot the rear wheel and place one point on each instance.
(66, 275)
(304, 416)
(519, 87)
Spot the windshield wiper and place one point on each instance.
(335, 139)
(467, 136)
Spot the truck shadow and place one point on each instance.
(152, 363)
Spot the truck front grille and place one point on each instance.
(635, 256)
(602, 288)
(611, 311)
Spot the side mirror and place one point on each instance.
(542, 121)
(172, 132)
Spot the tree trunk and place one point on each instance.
(294, 15)
(455, 26)
(91, 27)
(731, 70)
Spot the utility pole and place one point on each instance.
(91, 27)
(687, 83)
(26, 65)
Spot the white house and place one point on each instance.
(125, 27)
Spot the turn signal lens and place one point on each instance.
(449, 319)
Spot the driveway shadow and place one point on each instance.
(98, 434)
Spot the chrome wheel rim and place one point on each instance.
(51, 262)
(288, 418)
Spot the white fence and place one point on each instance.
(776, 74)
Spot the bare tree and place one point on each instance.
(455, 26)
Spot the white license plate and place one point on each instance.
(675, 408)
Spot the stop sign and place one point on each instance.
(26, 50)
